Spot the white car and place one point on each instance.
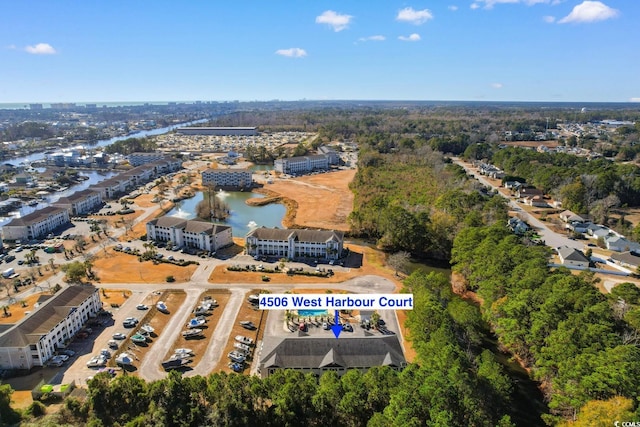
(142, 307)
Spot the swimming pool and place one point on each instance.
(311, 313)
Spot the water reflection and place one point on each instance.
(242, 218)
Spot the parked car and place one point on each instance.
(119, 336)
(142, 307)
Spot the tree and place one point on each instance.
(399, 261)
(75, 271)
(8, 415)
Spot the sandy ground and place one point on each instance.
(118, 267)
(330, 191)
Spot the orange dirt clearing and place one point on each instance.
(117, 267)
(316, 201)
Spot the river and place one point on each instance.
(105, 142)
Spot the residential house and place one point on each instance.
(528, 192)
(295, 243)
(568, 216)
(319, 355)
(517, 225)
(196, 234)
(628, 259)
(572, 257)
(33, 340)
(620, 244)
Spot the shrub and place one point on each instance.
(170, 279)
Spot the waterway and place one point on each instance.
(243, 218)
(105, 142)
(94, 177)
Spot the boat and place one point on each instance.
(176, 363)
(242, 347)
(195, 323)
(162, 307)
(124, 359)
(147, 328)
(236, 356)
(244, 340)
(192, 333)
(183, 351)
(236, 367)
(175, 356)
(247, 324)
(139, 338)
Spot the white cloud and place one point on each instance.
(590, 11)
(416, 17)
(411, 38)
(634, 99)
(453, 8)
(376, 38)
(549, 19)
(474, 6)
(41, 49)
(334, 20)
(293, 52)
(496, 85)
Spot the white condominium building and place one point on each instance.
(304, 164)
(227, 177)
(294, 243)
(34, 339)
(81, 202)
(189, 233)
(37, 224)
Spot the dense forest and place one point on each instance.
(580, 344)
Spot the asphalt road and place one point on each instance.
(550, 237)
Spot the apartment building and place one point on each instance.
(34, 339)
(294, 243)
(303, 164)
(81, 202)
(37, 224)
(227, 178)
(196, 234)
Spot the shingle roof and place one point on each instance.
(351, 352)
(35, 216)
(49, 314)
(282, 234)
(571, 254)
(630, 258)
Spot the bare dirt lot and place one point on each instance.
(320, 201)
(118, 267)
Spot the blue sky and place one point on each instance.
(500, 50)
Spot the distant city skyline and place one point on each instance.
(482, 50)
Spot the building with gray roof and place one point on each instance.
(295, 243)
(572, 257)
(34, 339)
(319, 355)
(37, 224)
(196, 234)
(81, 202)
